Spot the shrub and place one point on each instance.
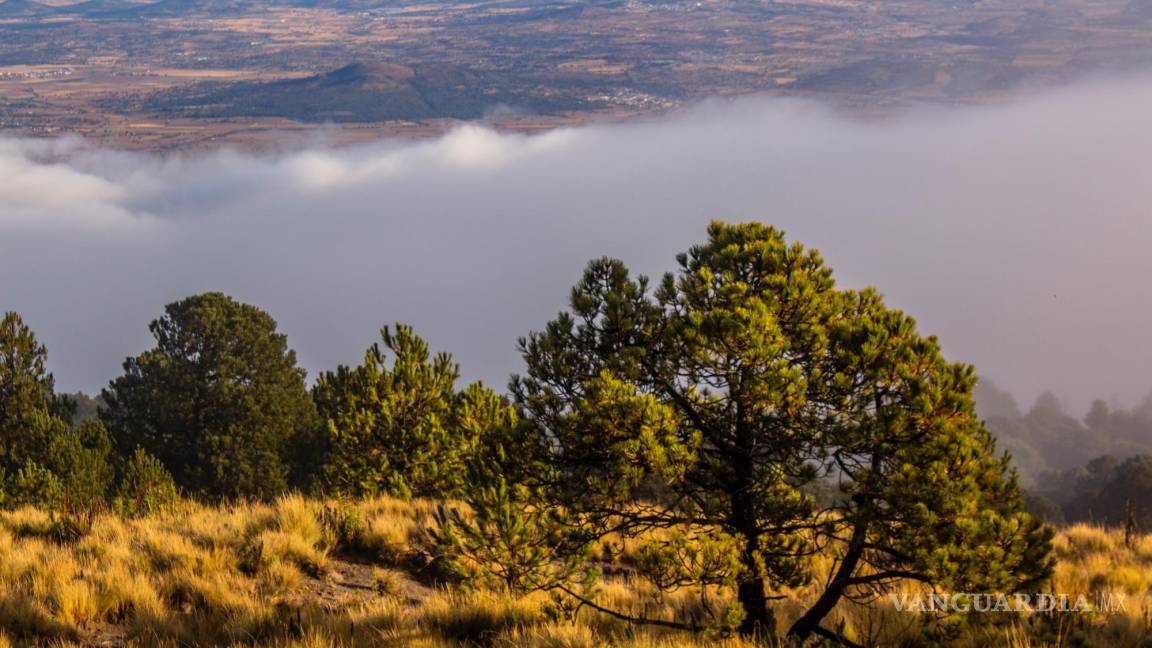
(402, 429)
(343, 527)
(145, 487)
(81, 458)
(35, 485)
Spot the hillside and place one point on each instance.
(366, 92)
(1045, 440)
(23, 9)
(282, 575)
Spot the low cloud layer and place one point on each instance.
(1020, 234)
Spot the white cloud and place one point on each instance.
(42, 189)
(1019, 233)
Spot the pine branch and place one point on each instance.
(630, 619)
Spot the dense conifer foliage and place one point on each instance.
(402, 429)
(219, 399)
(745, 377)
(44, 460)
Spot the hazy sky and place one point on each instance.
(1020, 234)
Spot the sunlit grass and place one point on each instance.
(274, 575)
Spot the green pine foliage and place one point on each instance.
(25, 384)
(219, 400)
(81, 457)
(402, 429)
(746, 379)
(35, 485)
(694, 420)
(25, 393)
(509, 536)
(145, 487)
(46, 460)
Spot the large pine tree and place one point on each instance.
(219, 399)
(717, 402)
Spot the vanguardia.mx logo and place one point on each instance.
(1107, 602)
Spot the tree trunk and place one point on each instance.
(810, 620)
(758, 619)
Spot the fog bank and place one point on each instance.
(1019, 234)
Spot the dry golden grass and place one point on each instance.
(273, 575)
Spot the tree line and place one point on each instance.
(1097, 469)
(741, 414)
(1045, 440)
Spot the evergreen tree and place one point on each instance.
(508, 534)
(145, 486)
(219, 400)
(35, 485)
(45, 460)
(402, 429)
(717, 400)
(25, 384)
(1105, 491)
(81, 457)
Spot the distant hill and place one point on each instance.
(23, 9)
(367, 92)
(129, 9)
(102, 8)
(175, 8)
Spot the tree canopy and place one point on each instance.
(402, 429)
(44, 460)
(25, 384)
(714, 402)
(219, 399)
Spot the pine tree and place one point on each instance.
(82, 458)
(744, 380)
(25, 385)
(402, 429)
(46, 461)
(507, 535)
(219, 400)
(145, 486)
